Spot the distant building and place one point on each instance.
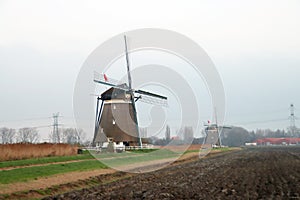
(250, 144)
(168, 133)
(188, 134)
(175, 138)
(278, 141)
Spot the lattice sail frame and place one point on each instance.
(141, 95)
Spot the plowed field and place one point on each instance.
(253, 173)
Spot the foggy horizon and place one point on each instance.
(255, 47)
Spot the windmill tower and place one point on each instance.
(213, 137)
(116, 116)
(213, 133)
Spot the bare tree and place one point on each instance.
(168, 134)
(69, 136)
(81, 135)
(29, 135)
(73, 136)
(238, 136)
(7, 135)
(56, 137)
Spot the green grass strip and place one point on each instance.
(129, 153)
(30, 173)
(212, 149)
(222, 149)
(44, 160)
(140, 157)
(110, 155)
(143, 150)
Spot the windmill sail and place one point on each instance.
(153, 101)
(132, 94)
(103, 79)
(127, 63)
(150, 94)
(144, 96)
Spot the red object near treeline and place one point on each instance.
(277, 141)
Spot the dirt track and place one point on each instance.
(256, 173)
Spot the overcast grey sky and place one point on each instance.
(255, 46)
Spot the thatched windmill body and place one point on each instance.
(116, 114)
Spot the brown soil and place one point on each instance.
(253, 173)
(50, 181)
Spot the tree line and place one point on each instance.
(185, 135)
(31, 135)
(238, 136)
(235, 136)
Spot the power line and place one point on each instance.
(292, 115)
(26, 119)
(292, 119)
(55, 133)
(261, 121)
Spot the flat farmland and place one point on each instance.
(44, 176)
(228, 173)
(252, 173)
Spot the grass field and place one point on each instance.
(26, 170)
(30, 173)
(131, 158)
(49, 168)
(44, 160)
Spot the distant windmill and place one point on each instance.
(117, 116)
(213, 134)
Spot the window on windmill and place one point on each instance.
(113, 122)
(114, 107)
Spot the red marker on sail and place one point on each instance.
(105, 77)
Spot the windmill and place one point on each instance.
(213, 133)
(116, 116)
